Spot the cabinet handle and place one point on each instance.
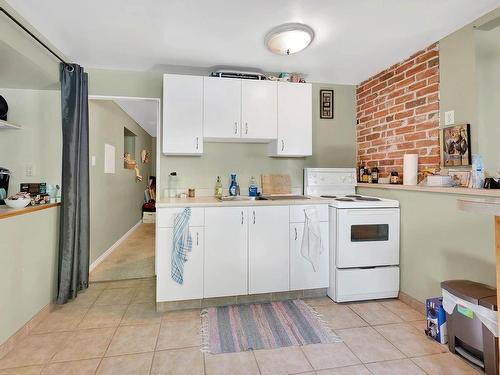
(295, 233)
(235, 127)
(246, 127)
(254, 217)
(282, 145)
(197, 143)
(197, 238)
(241, 217)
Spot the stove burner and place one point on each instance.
(328, 196)
(353, 196)
(345, 199)
(370, 199)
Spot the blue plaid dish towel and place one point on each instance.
(183, 244)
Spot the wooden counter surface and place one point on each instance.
(6, 212)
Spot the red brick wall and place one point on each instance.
(398, 113)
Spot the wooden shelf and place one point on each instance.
(8, 125)
(495, 193)
(6, 212)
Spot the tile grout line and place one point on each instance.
(156, 345)
(257, 362)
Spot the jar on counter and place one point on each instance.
(394, 177)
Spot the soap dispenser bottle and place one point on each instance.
(233, 187)
(252, 189)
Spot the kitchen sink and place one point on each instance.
(241, 198)
(285, 197)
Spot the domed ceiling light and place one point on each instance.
(289, 38)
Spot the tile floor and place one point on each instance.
(133, 258)
(113, 328)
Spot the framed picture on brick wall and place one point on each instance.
(326, 104)
(457, 146)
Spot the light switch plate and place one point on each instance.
(93, 160)
(449, 117)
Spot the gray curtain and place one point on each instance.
(74, 234)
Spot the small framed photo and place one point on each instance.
(457, 146)
(326, 104)
(460, 177)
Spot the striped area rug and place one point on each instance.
(270, 325)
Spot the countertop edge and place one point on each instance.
(187, 202)
(6, 212)
(493, 193)
(483, 206)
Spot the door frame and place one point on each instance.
(158, 156)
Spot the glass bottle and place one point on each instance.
(375, 175)
(218, 188)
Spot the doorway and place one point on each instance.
(123, 144)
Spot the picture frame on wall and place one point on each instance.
(326, 104)
(456, 146)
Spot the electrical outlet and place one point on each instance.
(449, 117)
(93, 160)
(30, 170)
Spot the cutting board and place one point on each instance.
(276, 184)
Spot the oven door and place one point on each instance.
(367, 237)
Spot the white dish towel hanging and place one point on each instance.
(312, 246)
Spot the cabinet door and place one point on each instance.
(226, 261)
(222, 108)
(259, 109)
(294, 120)
(192, 287)
(268, 249)
(302, 274)
(182, 115)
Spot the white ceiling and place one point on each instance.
(142, 111)
(354, 38)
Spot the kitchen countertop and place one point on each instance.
(6, 212)
(434, 189)
(485, 205)
(214, 202)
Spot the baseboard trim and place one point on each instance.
(26, 329)
(113, 247)
(412, 302)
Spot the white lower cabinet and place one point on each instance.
(239, 251)
(192, 286)
(302, 274)
(226, 257)
(268, 249)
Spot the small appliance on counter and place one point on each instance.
(4, 184)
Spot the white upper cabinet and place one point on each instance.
(259, 110)
(182, 115)
(268, 250)
(222, 108)
(294, 121)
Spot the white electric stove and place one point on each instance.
(364, 236)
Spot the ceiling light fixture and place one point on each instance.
(289, 38)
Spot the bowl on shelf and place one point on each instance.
(17, 203)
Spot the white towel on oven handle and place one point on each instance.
(312, 245)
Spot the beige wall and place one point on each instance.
(115, 199)
(440, 242)
(39, 114)
(333, 146)
(459, 80)
(488, 97)
(28, 267)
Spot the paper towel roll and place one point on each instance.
(410, 169)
